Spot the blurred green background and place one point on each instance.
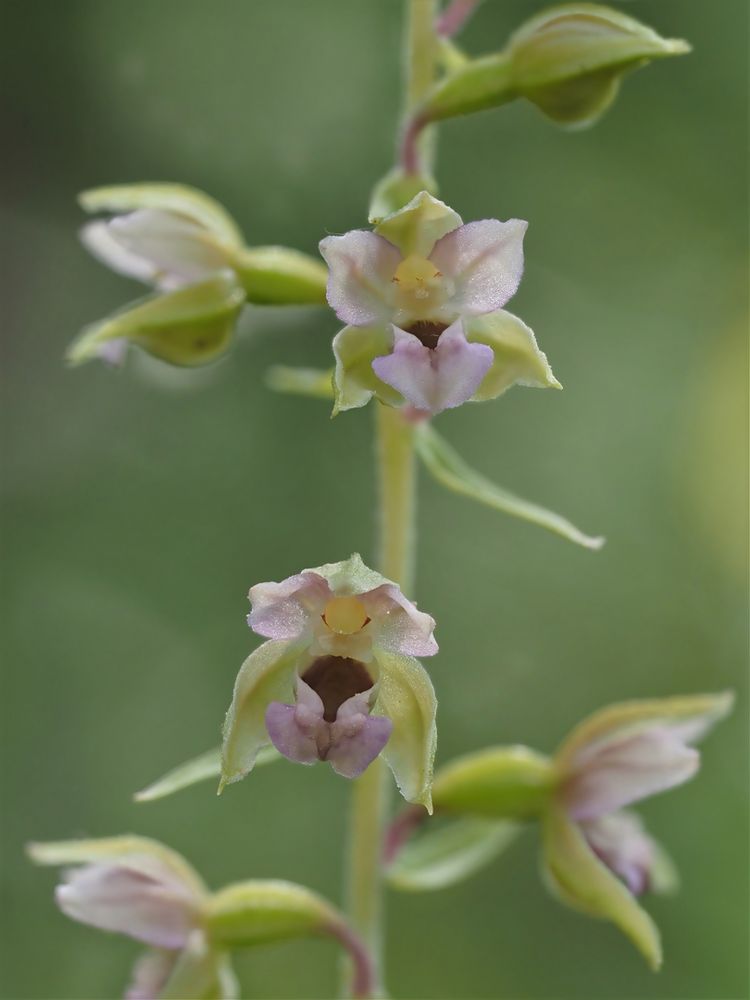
(140, 506)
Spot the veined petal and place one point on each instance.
(582, 881)
(178, 251)
(178, 198)
(484, 262)
(354, 380)
(283, 610)
(690, 717)
(435, 379)
(620, 840)
(265, 676)
(617, 771)
(406, 697)
(416, 228)
(361, 268)
(517, 359)
(402, 627)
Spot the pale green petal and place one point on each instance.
(447, 466)
(266, 675)
(179, 198)
(280, 276)
(406, 696)
(518, 359)
(206, 765)
(312, 382)
(262, 911)
(354, 382)
(416, 228)
(395, 190)
(446, 855)
(500, 783)
(188, 327)
(82, 852)
(698, 712)
(200, 973)
(582, 881)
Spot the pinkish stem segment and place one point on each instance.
(454, 17)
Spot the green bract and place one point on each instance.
(568, 60)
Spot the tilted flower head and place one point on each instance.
(138, 887)
(618, 756)
(186, 246)
(422, 296)
(338, 679)
(597, 856)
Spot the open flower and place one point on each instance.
(422, 296)
(338, 679)
(139, 887)
(187, 247)
(597, 856)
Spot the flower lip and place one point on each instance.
(336, 679)
(427, 333)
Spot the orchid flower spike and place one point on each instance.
(139, 887)
(597, 856)
(188, 248)
(337, 679)
(422, 296)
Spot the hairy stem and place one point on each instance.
(417, 148)
(396, 542)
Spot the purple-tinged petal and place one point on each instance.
(484, 260)
(113, 352)
(398, 624)
(356, 737)
(621, 842)
(295, 729)
(285, 610)
(150, 974)
(435, 379)
(625, 769)
(143, 900)
(361, 268)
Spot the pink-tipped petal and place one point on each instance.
(435, 379)
(356, 737)
(113, 352)
(145, 901)
(361, 267)
(398, 624)
(621, 842)
(285, 610)
(625, 769)
(484, 260)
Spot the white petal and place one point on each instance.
(361, 268)
(484, 260)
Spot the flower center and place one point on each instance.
(335, 679)
(426, 332)
(419, 284)
(345, 615)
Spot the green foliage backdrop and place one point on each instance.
(140, 506)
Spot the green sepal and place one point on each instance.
(445, 855)
(417, 226)
(395, 190)
(449, 469)
(354, 381)
(497, 783)
(580, 880)
(177, 198)
(312, 382)
(263, 911)
(266, 675)
(201, 972)
(280, 276)
(206, 765)
(569, 60)
(188, 327)
(518, 360)
(406, 696)
(701, 711)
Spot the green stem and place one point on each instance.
(418, 147)
(396, 496)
